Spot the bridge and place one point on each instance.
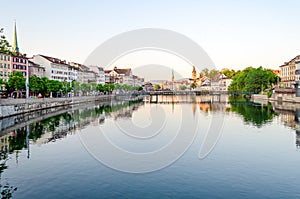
(154, 95)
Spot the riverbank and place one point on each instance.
(11, 107)
(277, 97)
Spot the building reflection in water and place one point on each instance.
(61, 125)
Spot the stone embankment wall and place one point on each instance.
(10, 107)
(278, 97)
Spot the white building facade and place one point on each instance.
(56, 69)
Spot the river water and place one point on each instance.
(180, 147)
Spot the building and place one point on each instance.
(137, 81)
(288, 72)
(100, 74)
(83, 73)
(297, 72)
(86, 76)
(35, 69)
(5, 66)
(18, 61)
(119, 76)
(56, 69)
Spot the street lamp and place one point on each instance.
(27, 80)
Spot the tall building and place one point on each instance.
(288, 72)
(5, 66)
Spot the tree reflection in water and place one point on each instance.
(6, 189)
(256, 114)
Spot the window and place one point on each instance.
(8, 58)
(4, 66)
(8, 66)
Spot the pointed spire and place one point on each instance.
(172, 75)
(194, 74)
(15, 46)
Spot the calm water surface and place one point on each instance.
(256, 156)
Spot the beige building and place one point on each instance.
(288, 72)
(5, 66)
(119, 76)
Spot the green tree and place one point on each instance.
(228, 73)
(193, 85)
(4, 44)
(213, 73)
(76, 87)
(36, 84)
(253, 80)
(157, 87)
(16, 81)
(204, 72)
(182, 87)
(100, 88)
(93, 86)
(2, 84)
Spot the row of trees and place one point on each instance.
(46, 87)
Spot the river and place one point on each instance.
(180, 147)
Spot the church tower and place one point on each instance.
(194, 74)
(15, 46)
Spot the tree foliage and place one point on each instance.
(253, 80)
(193, 85)
(228, 73)
(157, 87)
(16, 81)
(5, 47)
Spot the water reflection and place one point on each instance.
(71, 120)
(253, 113)
(6, 189)
(59, 126)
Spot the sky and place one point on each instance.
(235, 34)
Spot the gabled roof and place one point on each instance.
(120, 71)
(287, 63)
(32, 64)
(54, 60)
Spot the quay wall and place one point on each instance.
(11, 107)
(277, 97)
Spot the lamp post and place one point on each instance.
(27, 80)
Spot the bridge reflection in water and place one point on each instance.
(167, 99)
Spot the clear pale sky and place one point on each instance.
(235, 34)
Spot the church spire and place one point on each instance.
(173, 76)
(15, 46)
(194, 74)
